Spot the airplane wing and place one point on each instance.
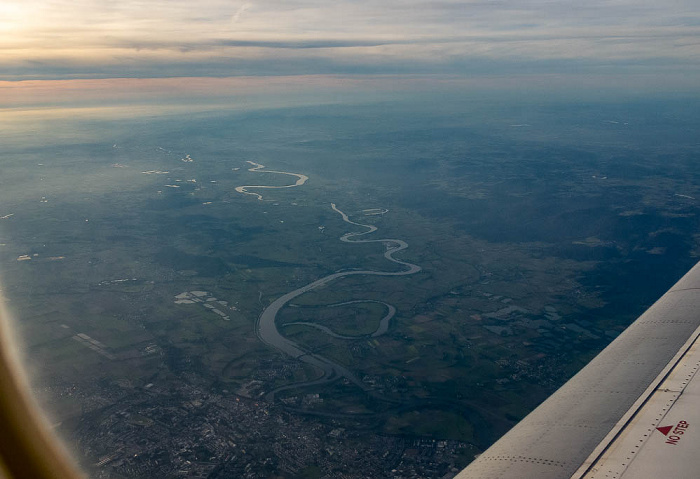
(632, 412)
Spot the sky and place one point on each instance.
(593, 44)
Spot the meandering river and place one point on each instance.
(301, 179)
(266, 326)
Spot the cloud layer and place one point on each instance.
(595, 43)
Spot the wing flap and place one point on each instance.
(660, 438)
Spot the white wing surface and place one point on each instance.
(632, 412)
